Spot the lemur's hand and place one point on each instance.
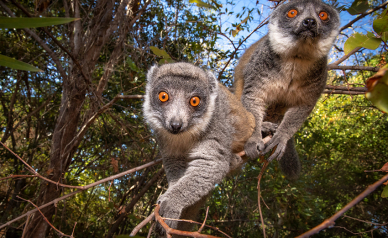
(279, 140)
(167, 210)
(254, 146)
(268, 128)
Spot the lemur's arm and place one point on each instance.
(209, 164)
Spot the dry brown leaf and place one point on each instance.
(385, 167)
(115, 164)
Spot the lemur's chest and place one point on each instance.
(287, 85)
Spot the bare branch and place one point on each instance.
(358, 89)
(330, 222)
(342, 92)
(204, 221)
(18, 176)
(142, 224)
(84, 188)
(171, 231)
(83, 129)
(344, 57)
(60, 232)
(355, 67)
(363, 15)
(6, 135)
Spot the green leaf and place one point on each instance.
(384, 36)
(384, 194)
(24, 22)
(132, 65)
(200, 3)
(159, 52)
(238, 27)
(16, 64)
(380, 25)
(359, 40)
(358, 6)
(245, 20)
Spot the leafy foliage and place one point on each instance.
(344, 136)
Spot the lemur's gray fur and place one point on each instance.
(281, 77)
(197, 144)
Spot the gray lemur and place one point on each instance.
(281, 77)
(199, 126)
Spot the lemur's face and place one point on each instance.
(304, 29)
(306, 19)
(179, 103)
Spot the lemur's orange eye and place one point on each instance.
(292, 13)
(194, 101)
(324, 16)
(163, 96)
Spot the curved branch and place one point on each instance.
(363, 15)
(170, 231)
(330, 222)
(83, 189)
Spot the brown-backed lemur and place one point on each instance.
(280, 77)
(199, 126)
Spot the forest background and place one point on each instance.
(79, 120)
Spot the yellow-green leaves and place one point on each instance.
(368, 41)
(378, 89)
(162, 53)
(238, 27)
(380, 26)
(200, 3)
(358, 6)
(18, 22)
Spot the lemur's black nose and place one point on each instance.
(176, 126)
(309, 22)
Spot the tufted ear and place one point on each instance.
(152, 73)
(213, 82)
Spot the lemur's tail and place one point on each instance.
(290, 163)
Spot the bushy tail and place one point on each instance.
(290, 163)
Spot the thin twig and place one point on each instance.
(170, 231)
(142, 224)
(60, 232)
(18, 176)
(151, 229)
(204, 221)
(343, 58)
(25, 226)
(330, 222)
(84, 188)
(259, 193)
(363, 15)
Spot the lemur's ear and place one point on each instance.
(152, 72)
(213, 82)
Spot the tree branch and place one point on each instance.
(171, 231)
(363, 15)
(344, 57)
(330, 222)
(60, 232)
(355, 67)
(158, 161)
